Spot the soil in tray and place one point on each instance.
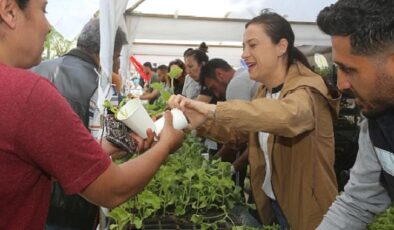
(172, 223)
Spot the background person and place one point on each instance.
(221, 79)
(289, 125)
(117, 80)
(150, 94)
(194, 61)
(180, 80)
(363, 49)
(225, 82)
(191, 88)
(162, 74)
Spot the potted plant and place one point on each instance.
(115, 131)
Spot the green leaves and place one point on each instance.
(186, 184)
(324, 72)
(175, 72)
(56, 45)
(160, 103)
(384, 221)
(114, 109)
(157, 86)
(121, 217)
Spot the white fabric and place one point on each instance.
(386, 159)
(68, 17)
(263, 140)
(111, 13)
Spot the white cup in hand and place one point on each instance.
(134, 116)
(179, 121)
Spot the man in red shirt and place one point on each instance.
(41, 138)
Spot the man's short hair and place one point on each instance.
(89, 38)
(368, 23)
(208, 70)
(163, 67)
(148, 64)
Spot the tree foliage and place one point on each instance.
(56, 45)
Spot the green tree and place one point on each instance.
(56, 45)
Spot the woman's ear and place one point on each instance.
(8, 10)
(219, 74)
(282, 47)
(390, 64)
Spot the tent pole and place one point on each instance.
(135, 5)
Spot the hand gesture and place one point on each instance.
(196, 111)
(169, 135)
(111, 149)
(143, 144)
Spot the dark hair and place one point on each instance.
(368, 23)
(162, 67)
(89, 39)
(203, 47)
(208, 70)
(179, 63)
(277, 27)
(200, 56)
(148, 64)
(22, 3)
(187, 51)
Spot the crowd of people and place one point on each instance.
(276, 115)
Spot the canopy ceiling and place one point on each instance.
(69, 16)
(160, 31)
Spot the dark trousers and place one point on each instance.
(280, 218)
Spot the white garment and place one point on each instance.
(263, 140)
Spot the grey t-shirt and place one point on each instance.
(191, 88)
(364, 196)
(241, 86)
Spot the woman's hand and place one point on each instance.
(197, 112)
(169, 135)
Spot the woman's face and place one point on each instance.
(28, 23)
(192, 68)
(260, 54)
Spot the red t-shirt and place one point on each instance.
(40, 138)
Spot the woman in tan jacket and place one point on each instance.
(288, 125)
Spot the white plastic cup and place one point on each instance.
(134, 116)
(179, 121)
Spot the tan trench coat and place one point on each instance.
(301, 145)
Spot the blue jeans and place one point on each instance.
(283, 225)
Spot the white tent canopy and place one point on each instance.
(300, 10)
(162, 38)
(69, 16)
(160, 31)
